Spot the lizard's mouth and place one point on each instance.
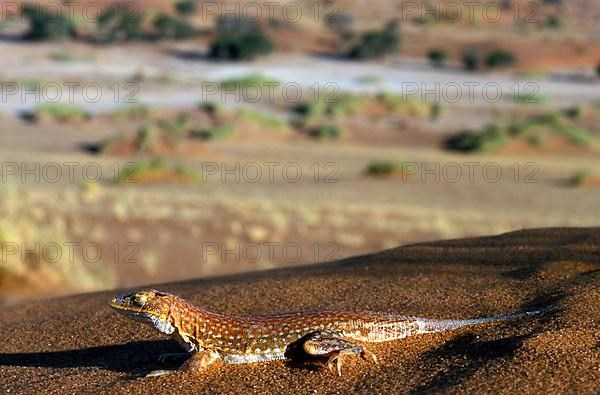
(131, 309)
(126, 306)
(123, 303)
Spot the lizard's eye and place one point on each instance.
(140, 299)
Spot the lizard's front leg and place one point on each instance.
(199, 361)
(333, 344)
(196, 363)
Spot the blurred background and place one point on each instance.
(153, 141)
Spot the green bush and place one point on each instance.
(438, 57)
(115, 24)
(534, 130)
(171, 27)
(137, 171)
(45, 24)
(265, 121)
(326, 132)
(58, 111)
(220, 132)
(239, 41)
(580, 177)
(500, 58)
(436, 110)
(577, 136)
(211, 108)
(177, 127)
(246, 81)
(598, 70)
(574, 112)
(186, 7)
(146, 138)
(376, 44)
(385, 168)
(490, 138)
(470, 59)
(137, 111)
(529, 98)
(554, 22)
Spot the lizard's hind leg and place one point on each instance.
(332, 344)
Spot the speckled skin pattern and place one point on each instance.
(234, 339)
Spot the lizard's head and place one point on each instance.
(149, 306)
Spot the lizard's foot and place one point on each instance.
(199, 361)
(333, 344)
(156, 373)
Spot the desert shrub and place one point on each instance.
(376, 44)
(177, 127)
(265, 121)
(577, 136)
(490, 138)
(402, 105)
(148, 170)
(247, 81)
(219, 132)
(534, 130)
(138, 111)
(500, 58)
(115, 24)
(529, 97)
(311, 109)
(385, 168)
(326, 132)
(574, 112)
(580, 177)
(470, 59)
(186, 7)
(436, 110)
(328, 107)
(146, 138)
(60, 112)
(187, 173)
(239, 41)
(211, 108)
(536, 140)
(168, 26)
(130, 172)
(45, 24)
(438, 57)
(553, 22)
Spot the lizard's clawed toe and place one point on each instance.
(335, 364)
(369, 355)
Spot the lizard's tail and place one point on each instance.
(432, 325)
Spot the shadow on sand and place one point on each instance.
(134, 357)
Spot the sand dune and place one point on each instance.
(77, 344)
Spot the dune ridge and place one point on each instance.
(76, 344)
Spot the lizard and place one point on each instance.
(209, 336)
